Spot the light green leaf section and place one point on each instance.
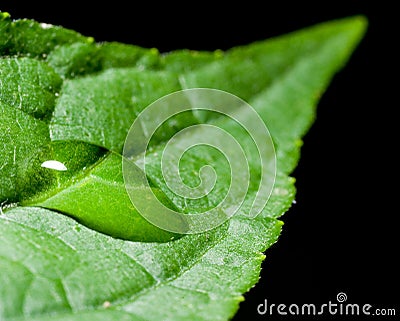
(77, 111)
(111, 210)
(70, 269)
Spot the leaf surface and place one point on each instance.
(65, 98)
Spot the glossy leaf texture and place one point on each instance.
(72, 245)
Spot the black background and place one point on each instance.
(341, 235)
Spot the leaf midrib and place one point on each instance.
(79, 177)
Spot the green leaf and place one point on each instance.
(30, 38)
(73, 246)
(127, 90)
(29, 85)
(21, 138)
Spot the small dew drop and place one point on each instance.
(106, 304)
(53, 164)
(46, 25)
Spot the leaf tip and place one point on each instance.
(360, 24)
(357, 25)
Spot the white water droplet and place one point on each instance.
(46, 25)
(53, 164)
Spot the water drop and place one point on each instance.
(53, 164)
(45, 26)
